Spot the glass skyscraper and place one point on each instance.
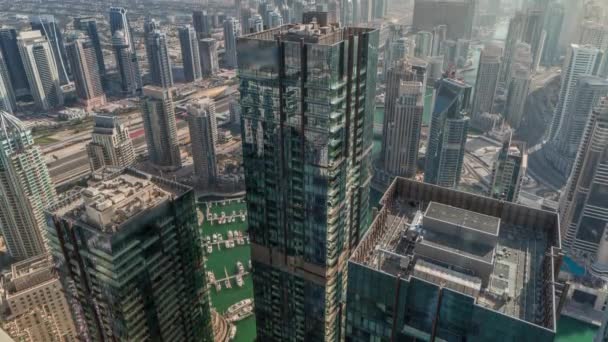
(129, 254)
(25, 190)
(448, 133)
(307, 99)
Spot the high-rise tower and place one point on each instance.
(448, 134)
(7, 95)
(201, 23)
(159, 60)
(209, 60)
(514, 36)
(232, 30)
(85, 69)
(161, 129)
(508, 171)
(12, 57)
(587, 95)
(402, 120)
(41, 70)
(580, 60)
(25, 190)
(110, 144)
(88, 25)
(49, 28)
(203, 135)
(129, 250)
(307, 138)
(124, 48)
(583, 206)
(487, 79)
(191, 58)
(553, 26)
(519, 84)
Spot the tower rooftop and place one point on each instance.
(116, 196)
(504, 255)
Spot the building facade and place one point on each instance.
(203, 136)
(7, 95)
(580, 61)
(232, 30)
(127, 61)
(443, 265)
(307, 102)
(583, 207)
(448, 134)
(191, 57)
(49, 28)
(25, 190)
(161, 73)
(158, 114)
(130, 245)
(9, 48)
(34, 303)
(82, 57)
(41, 70)
(88, 25)
(509, 170)
(404, 107)
(110, 144)
(519, 84)
(487, 79)
(201, 23)
(587, 95)
(514, 37)
(209, 60)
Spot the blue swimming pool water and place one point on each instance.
(572, 267)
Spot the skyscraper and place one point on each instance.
(424, 44)
(430, 266)
(203, 135)
(448, 134)
(439, 36)
(88, 25)
(201, 23)
(7, 95)
(160, 62)
(37, 306)
(596, 34)
(307, 170)
(12, 57)
(25, 190)
(85, 69)
(49, 28)
(209, 60)
(124, 49)
(129, 246)
(191, 58)
(487, 79)
(533, 32)
(110, 144)
(401, 157)
(457, 15)
(232, 31)
(158, 114)
(583, 205)
(587, 94)
(41, 70)
(553, 26)
(508, 171)
(514, 36)
(519, 84)
(580, 60)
